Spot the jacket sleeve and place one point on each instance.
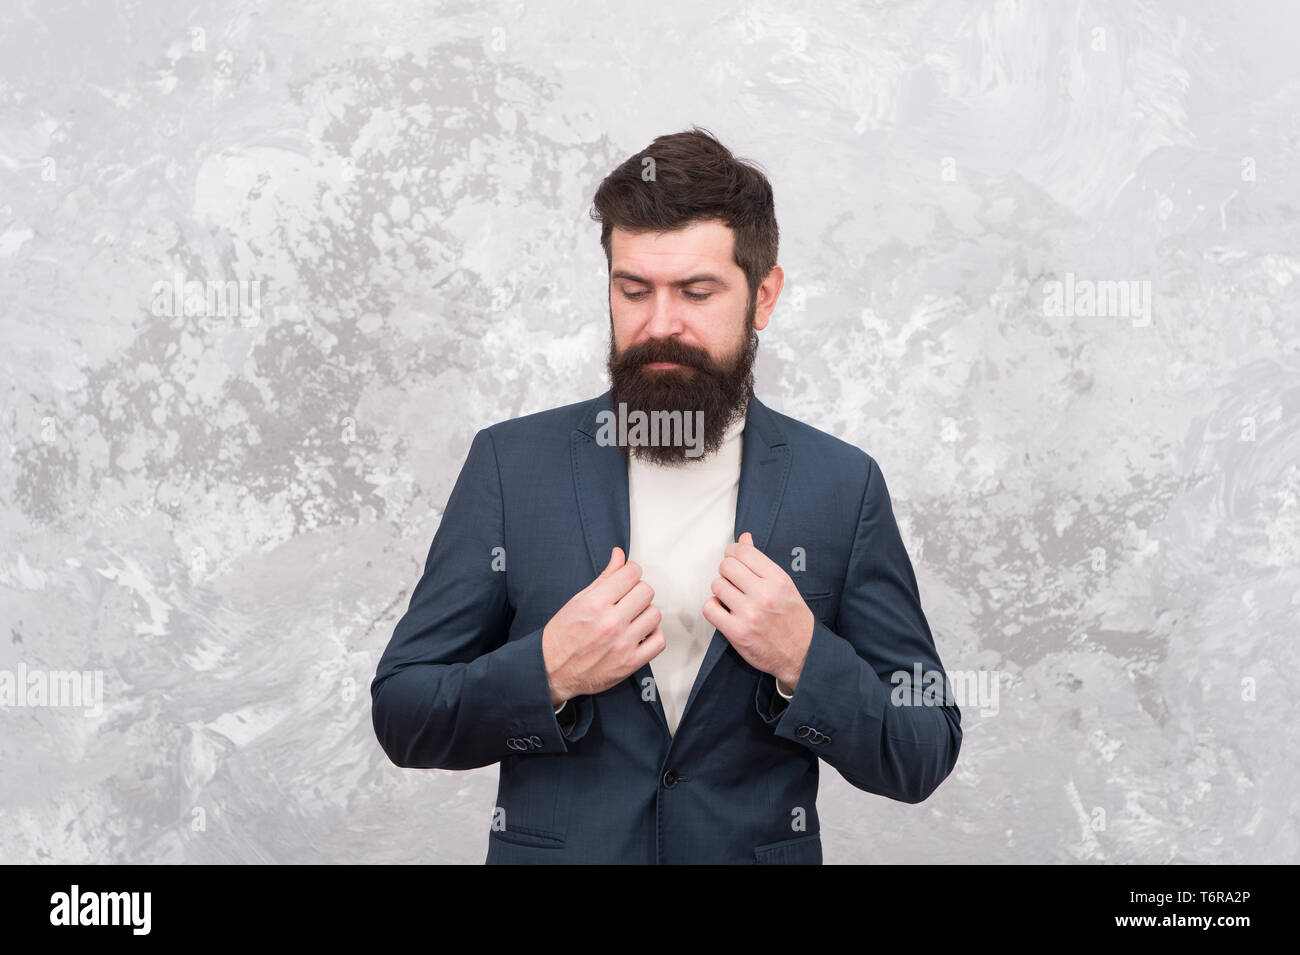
(451, 691)
(873, 700)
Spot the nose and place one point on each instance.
(665, 319)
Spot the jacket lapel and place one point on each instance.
(600, 484)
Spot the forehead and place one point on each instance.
(700, 245)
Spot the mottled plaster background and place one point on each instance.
(226, 515)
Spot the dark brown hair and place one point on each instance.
(696, 178)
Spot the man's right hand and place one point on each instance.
(605, 633)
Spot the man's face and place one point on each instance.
(683, 330)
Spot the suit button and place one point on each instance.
(670, 779)
(812, 735)
(536, 741)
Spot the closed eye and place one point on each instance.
(693, 296)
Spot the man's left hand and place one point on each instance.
(758, 608)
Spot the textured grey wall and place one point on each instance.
(218, 518)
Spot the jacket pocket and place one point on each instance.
(533, 838)
(504, 849)
(531, 813)
(804, 850)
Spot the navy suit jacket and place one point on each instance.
(533, 516)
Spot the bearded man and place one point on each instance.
(661, 609)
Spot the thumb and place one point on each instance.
(616, 560)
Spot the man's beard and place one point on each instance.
(720, 391)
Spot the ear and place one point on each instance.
(768, 292)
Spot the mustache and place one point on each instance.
(654, 350)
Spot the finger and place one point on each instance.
(645, 623)
(739, 574)
(650, 648)
(744, 553)
(608, 590)
(717, 616)
(727, 595)
(753, 558)
(632, 603)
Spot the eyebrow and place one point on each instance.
(699, 279)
